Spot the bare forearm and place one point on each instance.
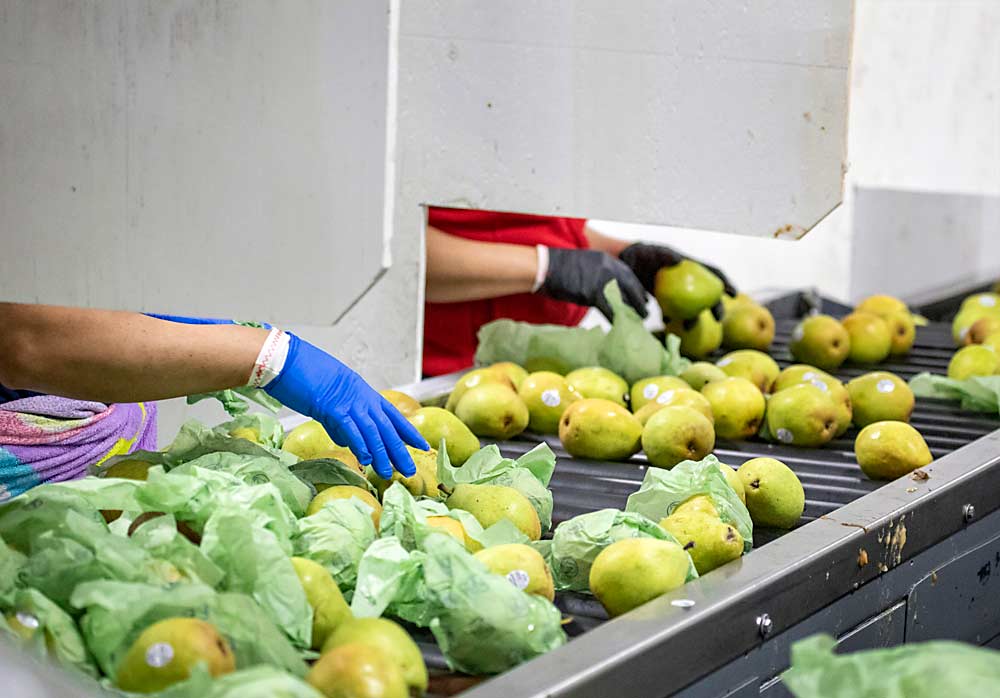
(460, 270)
(115, 356)
(604, 243)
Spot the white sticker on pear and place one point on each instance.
(551, 397)
(798, 333)
(27, 620)
(988, 301)
(885, 386)
(519, 578)
(650, 391)
(819, 384)
(665, 397)
(159, 654)
(724, 361)
(785, 436)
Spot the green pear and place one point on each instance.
(357, 670)
(491, 503)
(346, 492)
(166, 652)
(632, 571)
(775, 497)
(435, 424)
(647, 389)
(547, 395)
(600, 430)
(700, 503)
(801, 373)
(973, 360)
(733, 478)
(308, 440)
(965, 319)
(902, 330)
(406, 405)
(702, 338)
(598, 382)
(803, 415)
(701, 373)
(522, 565)
(747, 326)
(887, 450)
(738, 407)
(493, 410)
(390, 641)
(473, 379)
(821, 341)
(685, 289)
(871, 340)
(756, 366)
(992, 341)
(989, 302)
(710, 542)
(983, 328)
(676, 434)
(516, 373)
(423, 483)
(880, 396)
(882, 305)
(676, 397)
(324, 597)
(129, 469)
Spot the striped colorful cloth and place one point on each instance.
(44, 438)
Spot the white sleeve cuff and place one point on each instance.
(542, 270)
(271, 359)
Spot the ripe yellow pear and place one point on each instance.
(802, 415)
(390, 641)
(453, 527)
(357, 671)
(775, 497)
(871, 340)
(247, 433)
(821, 341)
(324, 597)
(982, 328)
(710, 542)
(547, 395)
(676, 434)
(801, 373)
(344, 455)
(756, 366)
(516, 373)
(166, 652)
(993, 342)
(989, 301)
(698, 503)
(882, 305)
(345, 492)
(632, 571)
(493, 410)
(423, 483)
(522, 565)
(973, 360)
(492, 503)
(676, 397)
(685, 289)
(599, 429)
(733, 478)
(598, 382)
(880, 396)
(435, 424)
(748, 326)
(887, 450)
(308, 441)
(903, 332)
(406, 405)
(701, 373)
(474, 379)
(700, 339)
(737, 406)
(648, 389)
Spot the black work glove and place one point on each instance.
(579, 276)
(645, 260)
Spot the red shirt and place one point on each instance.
(450, 328)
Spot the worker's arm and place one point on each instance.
(126, 357)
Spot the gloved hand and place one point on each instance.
(579, 276)
(315, 384)
(198, 320)
(645, 260)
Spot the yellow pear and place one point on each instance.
(710, 542)
(308, 441)
(801, 373)
(982, 328)
(648, 389)
(733, 478)
(821, 341)
(882, 305)
(324, 597)
(391, 642)
(492, 503)
(775, 497)
(677, 397)
(632, 571)
(522, 565)
(423, 483)
(600, 430)
(346, 492)
(406, 405)
(803, 415)
(344, 455)
(516, 373)
(357, 671)
(598, 382)
(973, 360)
(902, 330)
(547, 395)
(473, 379)
(676, 434)
(493, 410)
(166, 652)
(747, 326)
(871, 340)
(435, 424)
(701, 373)
(700, 339)
(698, 503)
(880, 396)
(453, 527)
(737, 406)
(251, 435)
(993, 342)
(756, 366)
(887, 450)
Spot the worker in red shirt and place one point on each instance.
(483, 266)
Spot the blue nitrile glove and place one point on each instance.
(315, 384)
(199, 320)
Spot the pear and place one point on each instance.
(821, 341)
(702, 338)
(632, 571)
(167, 651)
(522, 565)
(129, 469)
(324, 597)
(738, 407)
(473, 379)
(747, 326)
(598, 382)
(685, 289)
(390, 641)
(453, 527)
(406, 405)
(882, 305)
(775, 497)
(492, 503)
(676, 434)
(880, 396)
(493, 410)
(710, 542)
(902, 331)
(676, 397)
(973, 360)
(870, 337)
(344, 455)
(423, 483)
(982, 328)
(990, 302)
(800, 373)
(599, 429)
(756, 366)
(547, 395)
(435, 424)
(251, 435)
(647, 389)
(965, 319)
(993, 342)
(357, 671)
(700, 503)
(802, 415)
(515, 373)
(701, 373)
(733, 478)
(308, 441)
(887, 450)
(345, 492)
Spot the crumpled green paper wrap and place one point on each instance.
(628, 349)
(529, 475)
(269, 429)
(577, 542)
(501, 533)
(978, 394)
(330, 472)
(256, 682)
(11, 564)
(115, 613)
(662, 491)
(56, 636)
(256, 470)
(161, 539)
(336, 537)
(919, 670)
(236, 401)
(40, 510)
